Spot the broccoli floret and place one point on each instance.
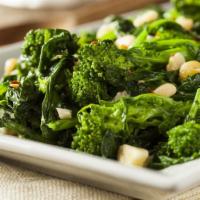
(107, 69)
(48, 42)
(122, 118)
(183, 143)
(32, 46)
(98, 66)
(86, 89)
(184, 140)
(95, 120)
(86, 38)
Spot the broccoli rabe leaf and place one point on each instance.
(31, 49)
(47, 60)
(102, 69)
(122, 24)
(94, 121)
(110, 144)
(43, 48)
(123, 118)
(51, 99)
(162, 29)
(183, 142)
(189, 8)
(10, 122)
(54, 49)
(187, 88)
(25, 102)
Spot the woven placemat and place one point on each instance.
(19, 184)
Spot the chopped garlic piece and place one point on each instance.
(120, 94)
(166, 90)
(147, 17)
(186, 23)
(125, 42)
(64, 113)
(189, 69)
(132, 156)
(106, 31)
(10, 66)
(175, 62)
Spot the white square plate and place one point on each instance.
(103, 173)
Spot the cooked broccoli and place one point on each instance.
(98, 66)
(122, 118)
(189, 8)
(44, 46)
(187, 88)
(183, 143)
(113, 27)
(43, 84)
(96, 91)
(123, 25)
(162, 29)
(102, 69)
(86, 38)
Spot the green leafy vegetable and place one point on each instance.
(123, 117)
(109, 89)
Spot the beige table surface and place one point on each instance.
(20, 184)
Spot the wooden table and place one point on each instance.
(15, 23)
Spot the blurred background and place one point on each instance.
(18, 16)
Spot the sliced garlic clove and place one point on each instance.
(120, 94)
(147, 17)
(189, 69)
(125, 42)
(107, 32)
(186, 23)
(64, 113)
(167, 90)
(132, 156)
(10, 66)
(175, 62)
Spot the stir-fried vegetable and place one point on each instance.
(127, 91)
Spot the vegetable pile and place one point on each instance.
(128, 91)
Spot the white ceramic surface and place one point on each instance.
(35, 4)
